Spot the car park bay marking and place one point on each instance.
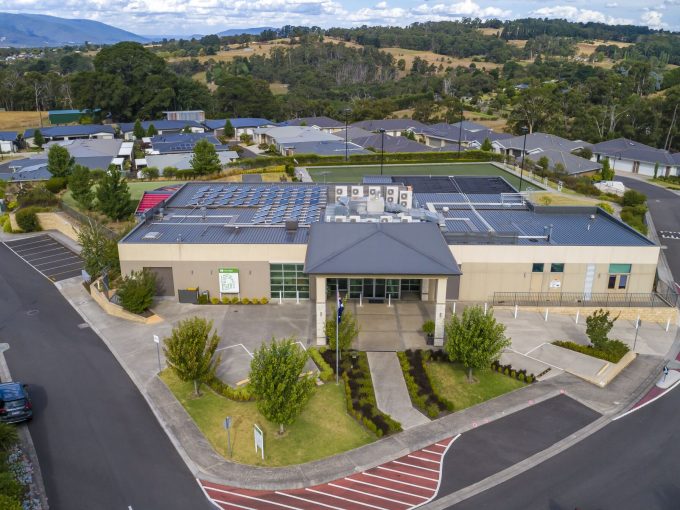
(405, 483)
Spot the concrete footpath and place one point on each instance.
(131, 345)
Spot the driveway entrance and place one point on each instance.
(388, 328)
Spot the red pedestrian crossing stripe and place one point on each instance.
(402, 484)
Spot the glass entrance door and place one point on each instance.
(368, 288)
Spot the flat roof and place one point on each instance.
(378, 249)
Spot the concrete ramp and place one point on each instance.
(390, 389)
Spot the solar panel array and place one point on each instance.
(274, 205)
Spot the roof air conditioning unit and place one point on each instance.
(406, 219)
(354, 219)
(340, 219)
(391, 191)
(357, 191)
(374, 191)
(341, 191)
(405, 199)
(389, 200)
(386, 219)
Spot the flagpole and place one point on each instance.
(337, 327)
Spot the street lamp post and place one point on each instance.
(347, 110)
(460, 127)
(524, 157)
(382, 149)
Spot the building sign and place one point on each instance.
(229, 281)
(555, 283)
(259, 439)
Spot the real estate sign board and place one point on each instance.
(228, 281)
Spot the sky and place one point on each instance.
(186, 17)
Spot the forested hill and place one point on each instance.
(35, 30)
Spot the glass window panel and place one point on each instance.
(537, 267)
(612, 282)
(304, 295)
(623, 281)
(619, 268)
(290, 294)
(557, 268)
(289, 267)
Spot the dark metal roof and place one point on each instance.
(378, 248)
(623, 148)
(326, 148)
(182, 142)
(390, 125)
(162, 125)
(79, 130)
(572, 164)
(535, 141)
(8, 136)
(322, 122)
(237, 123)
(392, 143)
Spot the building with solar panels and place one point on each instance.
(430, 239)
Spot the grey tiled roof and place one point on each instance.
(393, 144)
(322, 122)
(542, 141)
(623, 148)
(389, 124)
(573, 164)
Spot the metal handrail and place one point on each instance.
(604, 299)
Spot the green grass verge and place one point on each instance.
(137, 189)
(323, 429)
(353, 174)
(450, 381)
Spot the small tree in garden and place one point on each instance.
(277, 381)
(229, 130)
(138, 130)
(205, 160)
(59, 161)
(348, 332)
(476, 340)
(486, 145)
(38, 138)
(137, 290)
(606, 172)
(113, 195)
(99, 250)
(80, 185)
(190, 351)
(151, 131)
(598, 326)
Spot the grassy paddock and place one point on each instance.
(450, 381)
(356, 172)
(323, 429)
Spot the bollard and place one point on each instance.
(578, 312)
(546, 315)
(389, 300)
(668, 325)
(485, 308)
(454, 308)
(280, 297)
(361, 298)
(637, 322)
(297, 297)
(516, 310)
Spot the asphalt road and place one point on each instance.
(99, 445)
(664, 206)
(631, 464)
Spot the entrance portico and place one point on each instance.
(379, 262)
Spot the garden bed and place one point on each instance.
(359, 391)
(420, 388)
(614, 352)
(323, 428)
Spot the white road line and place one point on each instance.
(51, 268)
(415, 466)
(430, 451)
(407, 474)
(676, 383)
(64, 272)
(352, 501)
(441, 468)
(52, 256)
(205, 493)
(27, 262)
(386, 488)
(24, 254)
(254, 498)
(397, 481)
(368, 494)
(308, 500)
(41, 239)
(423, 458)
(442, 445)
(236, 345)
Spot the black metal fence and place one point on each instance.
(85, 219)
(603, 299)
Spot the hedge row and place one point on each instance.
(359, 159)
(613, 352)
(419, 384)
(359, 392)
(325, 371)
(205, 300)
(520, 375)
(241, 394)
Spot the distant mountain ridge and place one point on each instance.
(34, 30)
(239, 31)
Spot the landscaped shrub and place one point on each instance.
(203, 299)
(226, 300)
(7, 227)
(27, 219)
(325, 370)
(359, 392)
(37, 196)
(611, 350)
(264, 301)
(56, 184)
(9, 486)
(245, 301)
(419, 384)
(241, 394)
(137, 290)
(520, 375)
(254, 301)
(215, 301)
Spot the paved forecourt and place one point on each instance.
(48, 256)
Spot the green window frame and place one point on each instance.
(619, 268)
(557, 267)
(288, 280)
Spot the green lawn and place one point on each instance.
(137, 189)
(353, 174)
(324, 428)
(450, 381)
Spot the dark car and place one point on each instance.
(15, 404)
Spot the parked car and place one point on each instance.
(15, 404)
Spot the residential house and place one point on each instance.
(392, 127)
(181, 142)
(569, 163)
(180, 160)
(80, 131)
(285, 138)
(8, 142)
(24, 170)
(391, 144)
(535, 142)
(471, 135)
(325, 148)
(629, 156)
(163, 127)
(322, 123)
(183, 115)
(243, 126)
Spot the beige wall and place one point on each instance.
(489, 269)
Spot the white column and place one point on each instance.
(425, 289)
(320, 315)
(440, 311)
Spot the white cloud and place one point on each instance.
(653, 19)
(571, 13)
(466, 8)
(611, 5)
(381, 5)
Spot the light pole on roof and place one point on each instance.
(382, 149)
(347, 112)
(525, 130)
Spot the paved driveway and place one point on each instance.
(48, 256)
